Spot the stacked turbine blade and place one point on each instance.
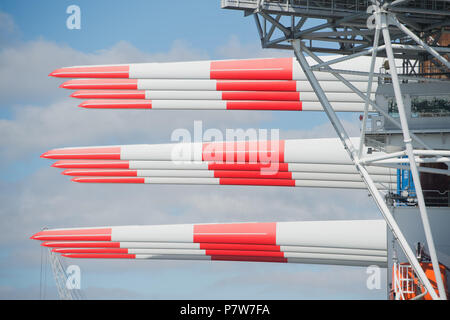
(355, 243)
(293, 163)
(255, 84)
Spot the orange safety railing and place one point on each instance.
(406, 286)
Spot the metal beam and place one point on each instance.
(375, 49)
(344, 58)
(363, 97)
(420, 42)
(275, 22)
(272, 29)
(300, 23)
(342, 33)
(258, 26)
(330, 39)
(419, 11)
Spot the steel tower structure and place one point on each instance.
(417, 34)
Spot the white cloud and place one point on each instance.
(8, 29)
(309, 282)
(325, 130)
(235, 49)
(24, 67)
(61, 124)
(47, 199)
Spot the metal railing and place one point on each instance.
(422, 69)
(348, 5)
(403, 280)
(405, 285)
(433, 198)
(344, 5)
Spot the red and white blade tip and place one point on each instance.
(116, 104)
(108, 180)
(99, 84)
(95, 234)
(92, 72)
(107, 153)
(92, 164)
(100, 173)
(109, 94)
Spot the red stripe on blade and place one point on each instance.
(88, 164)
(53, 244)
(258, 69)
(109, 180)
(244, 233)
(92, 72)
(108, 153)
(99, 256)
(249, 259)
(257, 182)
(256, 85)
(271, 167)
(244, 253)
(252, 174)
(242, 247)
(130, 84)
(109, 94)
(90, 250)
(265, 105)
(116, 104)
(103, 234)
(101, 173)
(261, 95)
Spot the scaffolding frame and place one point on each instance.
(356, 29)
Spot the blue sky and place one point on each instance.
(149, 25)
(35, 116)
